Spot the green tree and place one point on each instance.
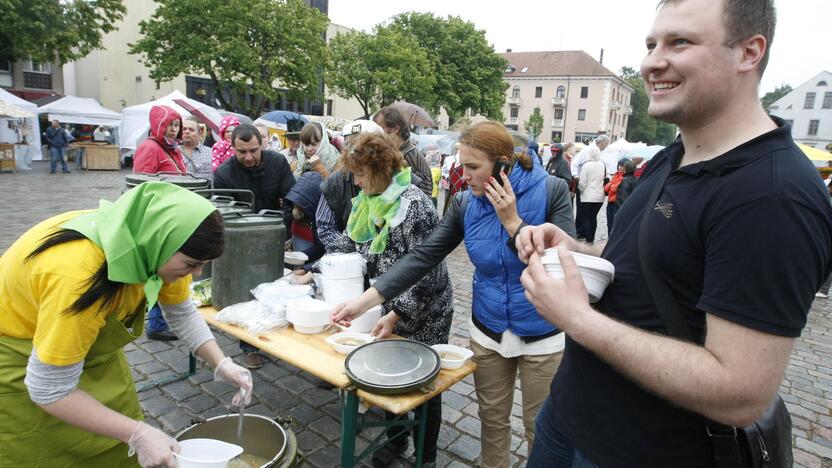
(469, 74)
(55, 30)
(534, 125)
(242, 45)
(771, 96)
(378, 69)
(640, 126)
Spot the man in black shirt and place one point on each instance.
(740, 233)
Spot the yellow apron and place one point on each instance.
(30, 437)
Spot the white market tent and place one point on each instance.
(136, 123)
(28, 130)
(78, 110)
(616, 151)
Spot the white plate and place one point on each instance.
(295, 258)
(333, 341)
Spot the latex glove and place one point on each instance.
(152, 446)
(237, 376)
(384, 327)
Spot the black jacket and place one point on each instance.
(559, 168)
(270, 182)
(419, 165)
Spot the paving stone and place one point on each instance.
(272, 371)
(138, 356)
(455, 400)
(472, 410)
(201, 376)
(294, 384)
(469, 425)
(304, 414)
(181, 391)
(310, 441)
(319, 397)
(447, 436)
(808, 460)
(201, 403)
(150, 368)
(157, 406)
(327, 427)
(813, 448)
(327, 457)
(450, 415)
(175, 420)
(465, 447)
(463, 388)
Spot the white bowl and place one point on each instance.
(334, 340)
(596, 272)
(448, 362)
(205, 453)
(308, 315)
(338, 290)
(295, 258)
(365, 322)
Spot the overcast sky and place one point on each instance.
(619, 27)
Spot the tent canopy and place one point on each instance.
(77, 110)
(29, 131)
(136, 123)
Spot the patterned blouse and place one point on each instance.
(426, 308)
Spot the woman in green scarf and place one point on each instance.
(73, 292)
(389, 218)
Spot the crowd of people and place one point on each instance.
(615, 383)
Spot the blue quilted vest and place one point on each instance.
(498, 299)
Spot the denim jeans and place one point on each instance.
(57, 154)
(155, 321)
(551, 449)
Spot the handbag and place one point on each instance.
(767, 443)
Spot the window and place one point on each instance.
(515, 92)
(827, 100)
(821, 83)
(6, 78)
(329, 107)
(813, 127)
(32, 66)
(514, 111)
(557, 136)
(581, 114)
(558, 114)
(584, 92)
(560, 93)
(584, 138)
(538, 91)
(809, 103)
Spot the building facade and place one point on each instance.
(118, 79)
(809, 110)
(31, 80)
(577, 96)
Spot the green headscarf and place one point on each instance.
(142, 230)
(372, 216)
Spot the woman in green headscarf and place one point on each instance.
(73, 292)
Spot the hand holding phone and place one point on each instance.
(498, 167)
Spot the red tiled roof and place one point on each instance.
(554, 63)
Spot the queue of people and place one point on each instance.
(686, 347)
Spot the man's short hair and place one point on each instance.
(194, 119)
(745, 18)
(391, 117)
(602, 139)
(245, 132)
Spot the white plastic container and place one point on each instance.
(206, 453)
(307, 315)
(336, 341)
(366, 322)
(338, 290)
(596, 272)
(342, 277)
(446, 353)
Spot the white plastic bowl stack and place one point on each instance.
(596, 272)
(307, 315)
(365, 322)
(342, 276)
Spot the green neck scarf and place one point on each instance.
(372, 216)
(142, 230)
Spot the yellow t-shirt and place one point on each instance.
(35, 294)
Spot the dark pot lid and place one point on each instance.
(392, 364)
(235, 220)
(182, 181)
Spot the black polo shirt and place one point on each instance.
(745, 236)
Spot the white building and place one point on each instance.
(808, 108)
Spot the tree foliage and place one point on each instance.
(379, 69)
(469, 74)
(640, 126)
(771, 96)
(534, 125)
(242, 45)
(55, 30)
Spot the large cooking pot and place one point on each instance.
(263, 437)
(231, 198)
(188, 181)
(391, 367)
(253, 254)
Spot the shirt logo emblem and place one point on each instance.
(666, 209)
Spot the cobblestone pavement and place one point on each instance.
(280, 389)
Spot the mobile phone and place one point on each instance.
(499, 166)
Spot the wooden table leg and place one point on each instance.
(349, 428)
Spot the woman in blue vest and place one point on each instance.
(507, 334)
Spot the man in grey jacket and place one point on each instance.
(393, 123)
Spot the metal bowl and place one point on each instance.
(262, 436)
(390, 367)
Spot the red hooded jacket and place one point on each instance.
(155, 154)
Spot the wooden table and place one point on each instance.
(312, 354)
(7, 160)
(99, 156)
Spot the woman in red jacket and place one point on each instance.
(160, 152)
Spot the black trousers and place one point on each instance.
(590, 218)
(434, 422)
